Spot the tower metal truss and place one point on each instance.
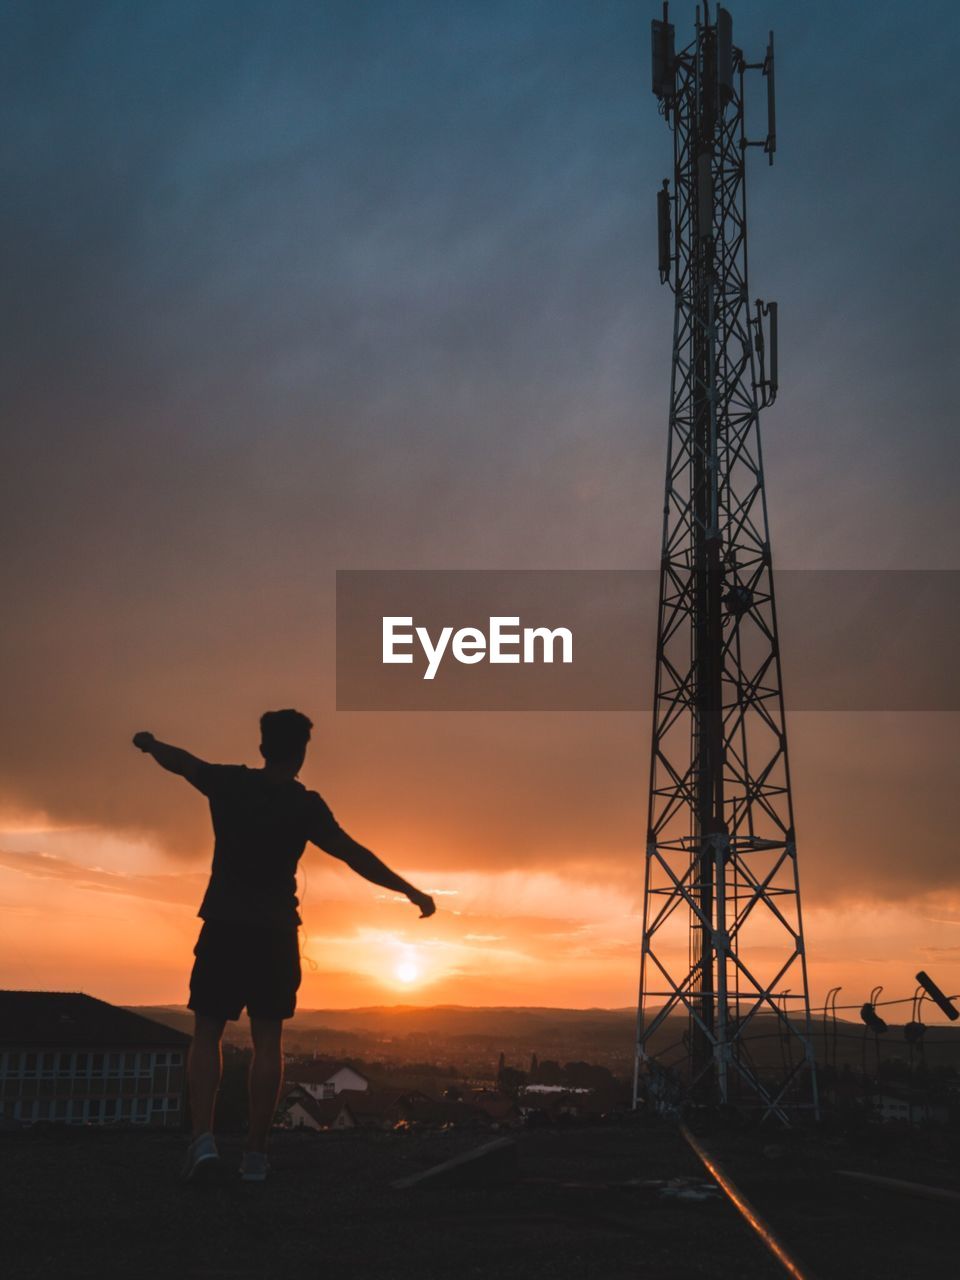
(723, 967)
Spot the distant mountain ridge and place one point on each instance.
(445, 1020)
(463, 1033)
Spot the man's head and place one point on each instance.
(283, 739)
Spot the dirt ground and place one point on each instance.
(107, 1203)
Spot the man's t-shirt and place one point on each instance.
(261, 825)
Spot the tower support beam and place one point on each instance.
(724, 1015)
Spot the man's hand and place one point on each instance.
(424, 902)
(143, 740)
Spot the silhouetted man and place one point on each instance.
(247, 955)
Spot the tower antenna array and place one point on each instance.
(724, 1015)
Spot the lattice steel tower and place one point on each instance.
(724, 1009)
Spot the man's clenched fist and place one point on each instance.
(425, 903)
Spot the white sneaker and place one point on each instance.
(254, 1166)
(203, 1160)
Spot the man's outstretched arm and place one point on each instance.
(337, 843)
(173, 759)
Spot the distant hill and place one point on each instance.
(448, 1021)
(596, 1035)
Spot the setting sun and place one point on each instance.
(406, 971)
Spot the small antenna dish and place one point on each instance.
(913, 1031)
(664, 59)
(724, 56)
(770, 145)
(872, 1019)
(768, 383)
(663, 231)
(936, 995)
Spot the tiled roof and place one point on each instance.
(322, 1112)
(68, 1018)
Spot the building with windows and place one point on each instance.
(69, 1058)
(905, 1108)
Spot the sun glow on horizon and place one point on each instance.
(407, 967)
(406, 971)
(120, 924)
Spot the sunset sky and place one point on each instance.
(307, 286)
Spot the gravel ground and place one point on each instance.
(107, 1203)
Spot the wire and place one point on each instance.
(301, 933)
(881, 1003)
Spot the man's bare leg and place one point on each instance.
(266, 1076)
(204, 1069)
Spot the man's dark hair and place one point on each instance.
(283, 735)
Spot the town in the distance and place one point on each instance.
(68, 1058)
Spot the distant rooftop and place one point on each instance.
(71, 1018)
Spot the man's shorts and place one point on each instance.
(241, 966)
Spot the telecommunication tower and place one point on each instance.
(724, 1015)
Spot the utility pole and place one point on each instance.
(721, 858)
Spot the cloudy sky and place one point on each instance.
(306, 286)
